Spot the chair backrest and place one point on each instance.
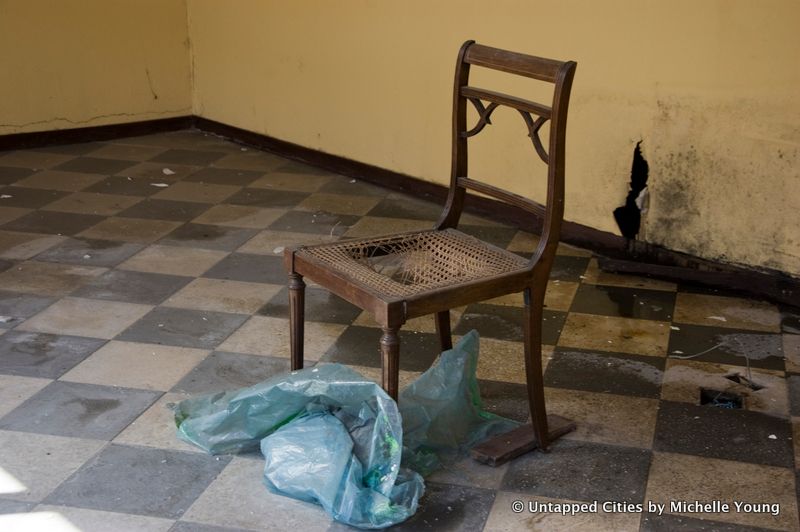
(560, 74)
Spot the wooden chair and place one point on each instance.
(403, 276)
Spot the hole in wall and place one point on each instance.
(629, 216)
(718, 399)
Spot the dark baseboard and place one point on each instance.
(624, 257)
(36, 139)
(620, 255)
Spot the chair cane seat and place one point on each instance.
(405, 265)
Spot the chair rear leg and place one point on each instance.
(297, 291)
(443, 330)
(390, 361)
(534, 303)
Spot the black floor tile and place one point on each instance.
(249, 268)
(190, 157)
(79, 410)
(617, 373)
(209, 236)
(343, 185)
(183, 327)
(262, 197)
(89, 252)
(15, 507)
(714, 432)
(224, 176)
(506, 323)
(16, 308)
(494, 234)
(52, 222)
(46, 356)
(790, 320)
(125, 186)
(324, 223)
(360, 346)
(94, 165)
(446, 507)
(505, 399)
(82, 148)
(407, 208)
(624, 302)
(793, 383)
(11, 174)
(296, 167)
(156, 209)
(569, 268)
(31, 198)
(320, 305)
(132, 287)
(5, 264)
(139, 480)
(222, 371)
(581, 471)
(680, 523)
(727, 346)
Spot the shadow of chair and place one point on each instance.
(403, 276)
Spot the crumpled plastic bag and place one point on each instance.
(332, 437)
(442, 411)
(328, 435)
(316, 459)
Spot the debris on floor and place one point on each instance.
(332, 437)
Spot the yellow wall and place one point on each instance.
(67, 64)
(711, 87)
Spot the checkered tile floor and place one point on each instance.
(138, 272)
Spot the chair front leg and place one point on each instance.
(534, 303)
(297, 290)
(390, 361)
(443, 330)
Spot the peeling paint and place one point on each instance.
(718, 191)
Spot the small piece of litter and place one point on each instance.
(160, 324)
(159, 185)
(352, 180)
(205, 319)
(718, 318)
(610, 342)
(129, 179)
(6, 319)
(278, 250)
(772, 437)
(582, 276)
(5, 196)
(677, 352)
(87, 256)
(167, 171)
(674, 328)
(243, 149)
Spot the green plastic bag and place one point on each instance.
(332, 437)
(442, 411)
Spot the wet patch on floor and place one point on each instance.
(726, 346)
(605, 372)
